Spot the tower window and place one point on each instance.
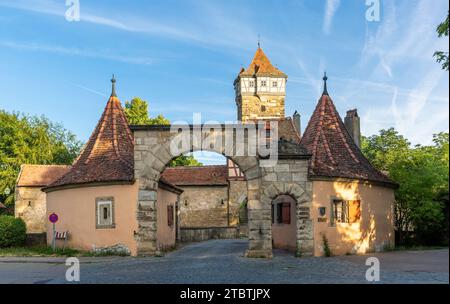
(263, 83)
(275, 84)
(251, 84)
(263, 109)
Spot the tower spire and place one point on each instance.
(113, 90)
(325, 89)
(259, 41)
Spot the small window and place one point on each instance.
(251, 84)
(263, 109)
(170, 215)
(275, 84)
(346, 211)
(105, 213)
(263, 83)
(340, 211)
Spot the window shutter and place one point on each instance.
(170, 216)
(354, 211)
(286, 213)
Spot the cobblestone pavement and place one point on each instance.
(222, 261)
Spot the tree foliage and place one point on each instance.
(137, 113)
(441, 56)
(31, 140)
(422, 173)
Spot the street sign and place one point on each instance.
(53, 218)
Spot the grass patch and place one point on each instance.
(38, 251)
(45, 251)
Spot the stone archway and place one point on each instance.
(152, 153)
(289, 177)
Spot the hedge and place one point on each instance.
(12, 231)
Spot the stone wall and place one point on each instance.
(260, 107)
(238, 195)
(30, 205)
(203, 206)
(204, 234)
(290, 177)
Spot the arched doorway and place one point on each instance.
(284, 223)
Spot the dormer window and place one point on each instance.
(263, 83)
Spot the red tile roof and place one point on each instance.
(334, 153)
(197, 176)
(261, 66)
(40, 175)
(108, 155)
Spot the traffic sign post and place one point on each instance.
(53, 218)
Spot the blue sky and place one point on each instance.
(182, 57)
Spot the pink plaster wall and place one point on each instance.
(374, 231)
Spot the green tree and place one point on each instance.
(31, 140)
(185, 161)
(137, 113)
(422, 173)
(441, 56)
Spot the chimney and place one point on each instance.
(297, 122)
(353, 125)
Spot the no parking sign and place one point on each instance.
(53, 218)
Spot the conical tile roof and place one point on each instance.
(108, 155)
(334, 153)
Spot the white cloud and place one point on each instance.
(32, 46)
(330, 10)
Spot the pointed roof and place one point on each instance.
(334, 153)
(261, 66)
(108, 155)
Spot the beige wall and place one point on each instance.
(76, 211)
(30, 206)
(374, 231)
(204, 206)
(166, 235)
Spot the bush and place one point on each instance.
(12, 231)
(326, 246)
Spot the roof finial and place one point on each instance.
(259, 41)
(113, 91)
(325, 90)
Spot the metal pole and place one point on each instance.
(54, 238)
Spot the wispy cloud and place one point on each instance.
(32, 46)
(330, 10)
(222, 27)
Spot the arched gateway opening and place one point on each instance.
(154, 149)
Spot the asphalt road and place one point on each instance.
(222, 261)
